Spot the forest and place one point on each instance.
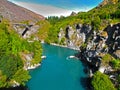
(12, 63)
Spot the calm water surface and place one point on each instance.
(57, 72)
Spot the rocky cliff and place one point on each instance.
(16, 13)
(96, 34)
(95, 42)
(75, 36)
(98, 49)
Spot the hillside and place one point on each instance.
(96, 34)
(99, 17)
(17, 55)
(16, 13)
(20, 48)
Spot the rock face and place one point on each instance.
(113, 40)
(117, 53)
(91, 53)
(73, 14)
(25, 30)
(97, 44)
(75, 37)
(16, 13)
(100, 44)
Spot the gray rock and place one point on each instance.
(117, 53)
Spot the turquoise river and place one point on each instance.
(57, 72)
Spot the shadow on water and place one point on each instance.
(85, 82)
(16, 88)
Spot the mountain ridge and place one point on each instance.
(17, 13)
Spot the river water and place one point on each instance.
(57, 72)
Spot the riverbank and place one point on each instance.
(65, 46)
(33, 66)
(16, 88)
(56, 68)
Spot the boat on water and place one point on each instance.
(71, 56)
(43, 57)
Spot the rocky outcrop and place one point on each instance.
(91, 54)
(117, 53)
(16, 13)
(97, 44)
(105, 2)
(93, 45)
(73, 14)
(107, 41)
(75, 37)
(113, 40)
(25, 30)
(27, 59)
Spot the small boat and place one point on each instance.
(71, 56)
(43, 57)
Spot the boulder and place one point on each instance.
(117, 53)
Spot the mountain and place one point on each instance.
(105, 2)
(15, 50)
(16, 13)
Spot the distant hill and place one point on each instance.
(105, 2)
(16, 13)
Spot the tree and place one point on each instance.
(102, 82)
(9, 65)
(115, 63)
(11, 60)
(96, 23)
(21, 76)
(2, 80)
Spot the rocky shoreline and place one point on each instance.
(95, 46)
(73, 48)
(99, 45)
(33, 66)
(16, 88)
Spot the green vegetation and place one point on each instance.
(118, 78)
(116, 64)
(56, 24)
(98, 17)
(96, 23)
(18, 77)
(62, 41)
(43, 30)
(107, 58)
(2, 80)
(13, 50)
(102, 82)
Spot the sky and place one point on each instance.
(55, 7)
(65, 4)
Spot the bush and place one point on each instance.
(116, 63)
(102, 82)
